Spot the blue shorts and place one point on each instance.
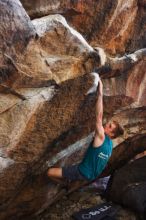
(72, 173)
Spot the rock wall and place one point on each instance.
(118, 26)
(46, 116)
(131, 189)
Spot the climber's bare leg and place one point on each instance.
(55, 174)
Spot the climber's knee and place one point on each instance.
(55, 172)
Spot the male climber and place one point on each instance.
(98, 152)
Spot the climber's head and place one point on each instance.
(113, 129)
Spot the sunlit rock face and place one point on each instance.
(46, 116)
(118, 25)
(16, 30)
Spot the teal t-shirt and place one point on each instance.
(96, 159)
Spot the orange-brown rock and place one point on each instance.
(16, 30)
(46, 116)
(118, 26)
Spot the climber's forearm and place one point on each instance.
(99, 104)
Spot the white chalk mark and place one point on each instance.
(95, 84)
(102, 55)
(69, 150)
(5, 163)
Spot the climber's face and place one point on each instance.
(109, 129)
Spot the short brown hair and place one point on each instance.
(118, 131)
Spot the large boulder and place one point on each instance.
(128, 186)
(118, 26)
(46, 116)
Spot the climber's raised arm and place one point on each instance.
(99, 130)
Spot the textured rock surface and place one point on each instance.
(16, 30)
(46, 116)
(131, 189)
(118, 26)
